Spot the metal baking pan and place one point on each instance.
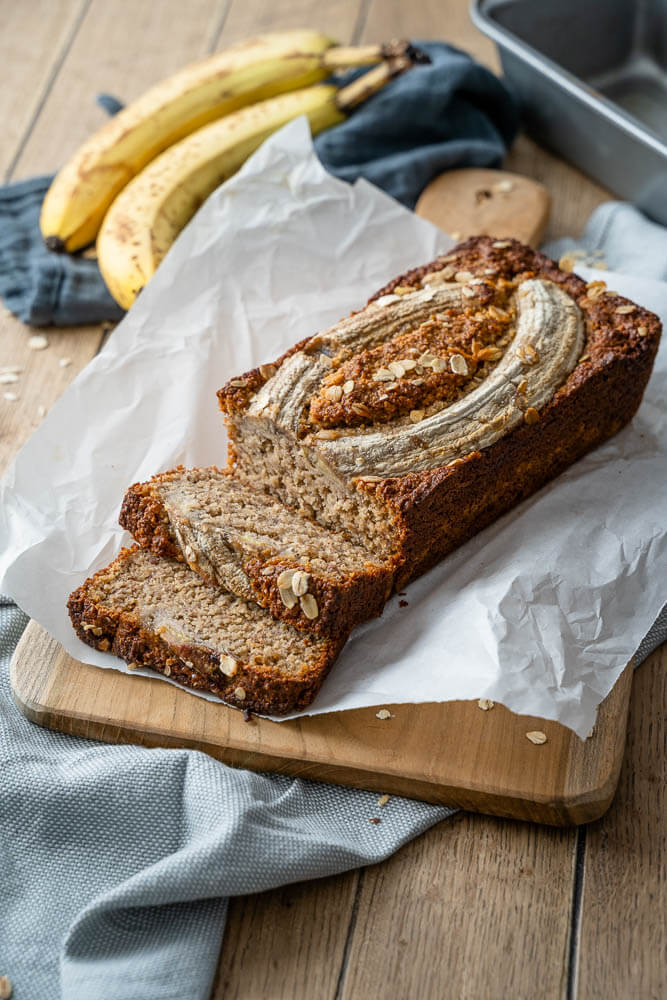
(591, 76)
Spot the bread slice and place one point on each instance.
(315, 579)
(460, 389)
(155, 612)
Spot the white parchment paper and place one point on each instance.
(540, 612)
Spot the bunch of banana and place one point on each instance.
(149, 213)
(244, 74)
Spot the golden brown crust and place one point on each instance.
(142, 513)
(265, 690)
(511, 262)
(442, 508)
(343, 603)
(235, 394)
(356, 393)
(439, 509)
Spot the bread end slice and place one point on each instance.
(140, 608)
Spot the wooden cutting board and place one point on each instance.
(451, 753)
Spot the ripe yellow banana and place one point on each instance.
(149, 213)
(252, 71)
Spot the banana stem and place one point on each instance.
(369, 83)
(344, 56)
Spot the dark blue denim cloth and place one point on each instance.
(44, 288)
(451, 113)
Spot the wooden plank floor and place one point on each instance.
(476, 908)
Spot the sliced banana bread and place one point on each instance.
(461, 388)
(315, 579)
(155, 612)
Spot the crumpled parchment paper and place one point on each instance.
(540, 612)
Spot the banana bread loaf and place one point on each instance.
(358, 460)
(460, 389)
(315, 579)
(155, 612)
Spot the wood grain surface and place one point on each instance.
(491, 889)
(519, 911)
(623, 922)
(33, 40)
(302, 930)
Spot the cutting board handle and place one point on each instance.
(473, 201)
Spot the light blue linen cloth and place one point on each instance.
(116, 861)
(623, 239)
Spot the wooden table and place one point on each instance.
(477, 908)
